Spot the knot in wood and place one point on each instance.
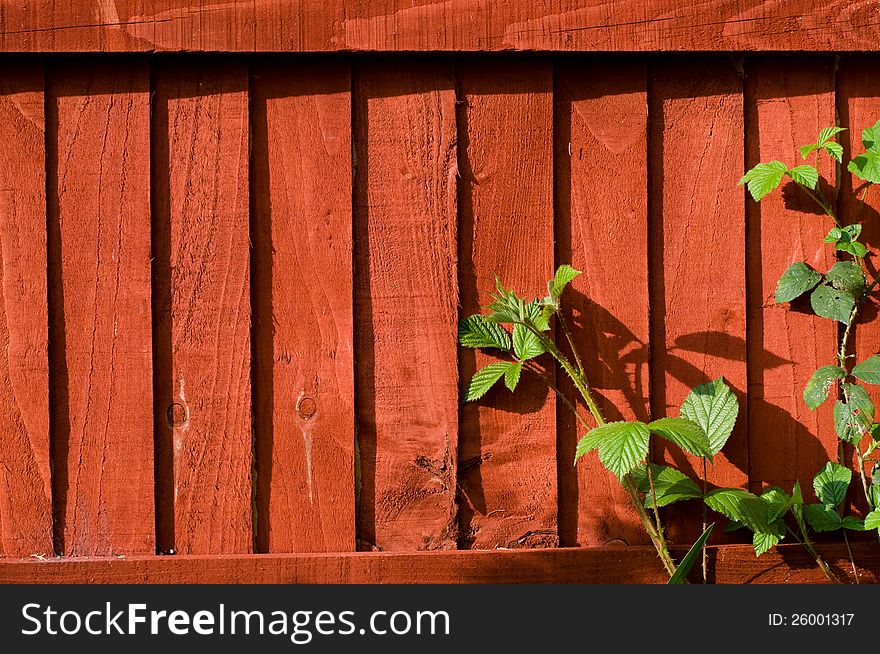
(177, 415)
(306, 407)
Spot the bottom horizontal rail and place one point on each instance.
(728, 564)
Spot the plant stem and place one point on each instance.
(808, 546)
(568, 337)
(861, 460)
(656, 536)
(827, 208)
(705, 553)
(653, 492)
(850, 554)
(528, 365)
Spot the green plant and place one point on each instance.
(703, 427)
(838, 294)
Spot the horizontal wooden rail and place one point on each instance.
(728, 564)
(435, 25)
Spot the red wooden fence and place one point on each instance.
(231, 282)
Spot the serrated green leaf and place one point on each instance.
(484, 379)
(820, 384)
(475, 332)
(868, 370)
(872, 520)
(807, 150)
(828, 133)
(847, 276)
(670, 485)
(526, 344)
(588, 443)
(688, 435)
(778, 502)
(805, 175)
(854, 248)
(740, 505)
(507, 307)
(797, 496)
(871, 136)
(764, 540)
(511, 376)
(866, 166)
(733, 525)
(834, 235)
(821, 518)
(683, 569)
(623, 446)
(852, 523)
(832, 483)
(564, 275)
(713, 407)
(797, 280)
(832, 303)
(763, 178)
(854, 416)
(834, 150)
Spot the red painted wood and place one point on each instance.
(406, 305)
(202, 308)
(302, 290)
(698, 278)
(25, 483)
(99, 276)
(507, 449)
(441, 25)
(728, 564)
(602, 202)
(787, 103)
(859, 105)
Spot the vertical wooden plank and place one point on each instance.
(202, 332)
(601, 203)
(507, 448)
(99, 294)
(405, 305)
(698, 316)
(787, 102)
(302, 307)
(25, 483)
(858, 102)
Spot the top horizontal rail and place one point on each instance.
(49, 26)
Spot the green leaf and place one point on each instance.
(511, 376)
(526, 344)
(475, 332)
(778, 502)
(828, 133)
(797, 280)
(688, 435)
(820, 383)
(683, 569)
(872, 520)
(854, 248)
(853, 523)
(588, 443)
(854, 416)
(740, 505)
(821, 518)
(670, 485)
(866, 166)
(835, 150)
(847, 276)
(797, 505)
(805, 175)
(564, 275)
(832, 483)
(763, 178)
(485, 378)
(623, 446)
(845, 234)
(832, 303)
(714, 408)
(871, 136)
(868, 370)
(764, 540)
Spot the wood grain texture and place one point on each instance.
(452, 25)
(698, 288)
(507, 451)
(202, 307)
(728, 564)
(100, 321)
(787, 103)
(601, 202)
(858, 105)
(25, 483)
(302, 306)
(406, 299)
